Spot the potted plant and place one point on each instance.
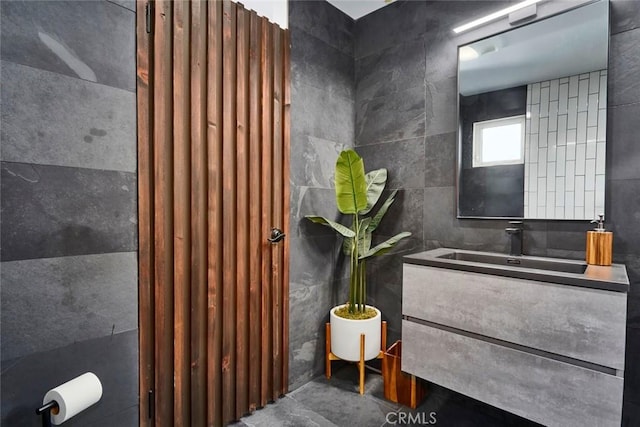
(357, 193)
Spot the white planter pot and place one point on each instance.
(345, 336)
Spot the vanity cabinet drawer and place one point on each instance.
(547, 391)
(579, 323)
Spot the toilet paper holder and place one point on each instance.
(69, 399)
(45, 411)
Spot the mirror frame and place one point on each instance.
(496, 29)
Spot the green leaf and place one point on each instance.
(345, 231)
(364, 241)
(351, 185)
(347, 243)
(385, 246)
(375, 221)
(376, 181)
(346, 246)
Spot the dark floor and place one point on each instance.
(336, 402)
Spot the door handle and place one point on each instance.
(276, 235)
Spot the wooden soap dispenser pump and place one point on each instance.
(599, 244)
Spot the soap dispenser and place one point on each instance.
(599, 244)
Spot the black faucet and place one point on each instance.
(515, 234)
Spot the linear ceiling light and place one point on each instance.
(494, 16)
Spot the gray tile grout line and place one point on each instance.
(131, 91)
(371, 397)
(306, 407)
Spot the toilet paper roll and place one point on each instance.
(74, 396)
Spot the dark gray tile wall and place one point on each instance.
(322, 124)
(68, 200)
(623, 181)
(68, 122)
(112, 358)
(67, 39)
(66, 211)
(406, 98)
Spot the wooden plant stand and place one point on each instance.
(329, 356)
(400, 387)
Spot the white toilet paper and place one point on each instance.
(74, 396)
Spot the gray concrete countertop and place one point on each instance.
(613, 278)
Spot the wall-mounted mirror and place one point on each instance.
(532, 119)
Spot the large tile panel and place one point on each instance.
(129, 4)
(632, 368)
(624, 65)
(321, 65)
(308, 313)
(623, 155)
(567, 235)
(92, 40)
(322, 20)
(313, 160)
(315, 260)
(441, 106)
(321, 114)
(439, 215)
(114, 359)
(385, 72)
(313, 201)
(392, 25)
(630, 414)
(50, 211)
(440, 160)
(442, 56)
(632, 262)
(384, 281)
(405, 214)
(52, 302)
(286, 413)
(49, 118)
(400, 115)
(625, 15)
(343, 405)
(404, 161)
(624, 215)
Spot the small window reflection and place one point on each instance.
(498, 142)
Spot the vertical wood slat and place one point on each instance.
(242, 213)
(181, 214)
(199, 215)
(229, 256)
(163, 210)
(144, 92)
(286, 194)
(267, 221)
(277, 214)
(214, 150)
(217, 311)
(255, 233)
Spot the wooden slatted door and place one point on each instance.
(213, 161)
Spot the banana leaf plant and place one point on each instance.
(357, 193)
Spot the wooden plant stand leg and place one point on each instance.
(329, 356)
(414, 397)
(361, 364)
(383, 339)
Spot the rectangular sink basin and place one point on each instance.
(541, 269)
(506, 260)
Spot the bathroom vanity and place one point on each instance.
(542, 338)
